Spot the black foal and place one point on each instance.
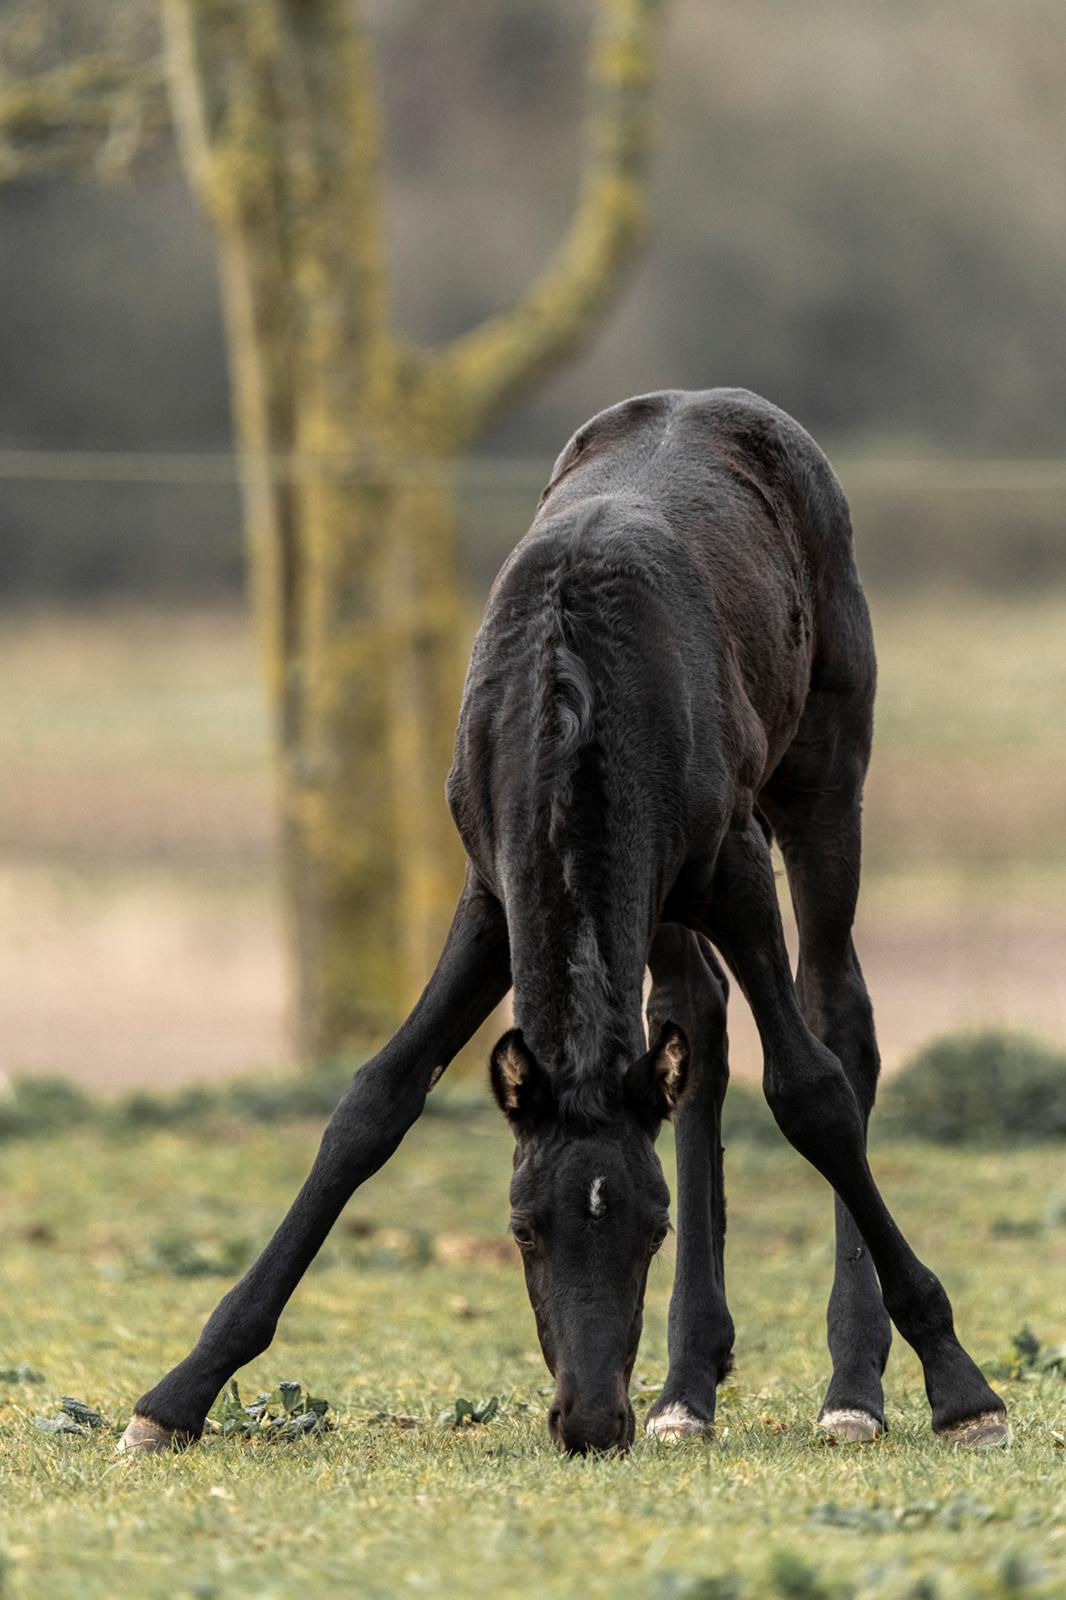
(675, 660)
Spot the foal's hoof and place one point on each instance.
(150, 1437)
(676, 1422)
(986, 1431)
(849, 1426)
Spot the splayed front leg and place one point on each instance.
(689, 985)
(386, 1097)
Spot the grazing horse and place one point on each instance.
(675, 666)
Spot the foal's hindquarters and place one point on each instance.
(821, 1060)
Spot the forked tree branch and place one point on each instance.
(497, 360)
(94, 116)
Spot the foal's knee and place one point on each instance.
(920, 1308)
(813, 1103)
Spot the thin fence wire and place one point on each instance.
(982, 475)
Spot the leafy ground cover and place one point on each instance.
(431, 1473)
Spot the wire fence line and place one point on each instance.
(866, 474)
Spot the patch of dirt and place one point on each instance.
(142, 983)
(140, 932)
(155, 981)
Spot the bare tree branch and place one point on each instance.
(506, 354)
(94, 116)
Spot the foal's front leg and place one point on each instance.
(818, 1113)
(689, 988)
(386, 1097)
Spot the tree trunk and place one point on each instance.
(352, 556)
(372, 861)
(353, 570)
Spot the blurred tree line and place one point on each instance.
(858, 213)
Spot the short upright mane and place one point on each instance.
(563, 722)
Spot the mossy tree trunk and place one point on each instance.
(353, 557)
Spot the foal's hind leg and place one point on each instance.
(690, 988)
(386, 1096)
(817, 1111)
(813, 803)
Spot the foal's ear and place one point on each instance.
(522, 1088)
(655, 1084)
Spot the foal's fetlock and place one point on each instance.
(967, 1411)
(681, 1411)
(853, 1411)
(171, 1416)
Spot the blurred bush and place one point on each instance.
(857, 215)
(991, 1088)
(747, 1117)
(34, 1106)
(39, 1104)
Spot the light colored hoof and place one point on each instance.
(145, 1435)
(987, 1431)
(676, 1422)
(850, 1426)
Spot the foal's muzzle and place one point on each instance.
(579, 1425)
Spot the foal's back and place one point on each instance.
(747, 514)
(686, 551)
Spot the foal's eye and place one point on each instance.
(659, 1236)
(523, 1235)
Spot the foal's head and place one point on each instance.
(588, 1212)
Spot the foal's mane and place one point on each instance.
(572, 804)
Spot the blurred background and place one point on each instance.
(856, 212)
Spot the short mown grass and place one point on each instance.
(117, 1245)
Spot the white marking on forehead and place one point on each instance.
(597, 1204)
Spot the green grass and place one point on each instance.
(415, 1303)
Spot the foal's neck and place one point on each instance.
(578, 952)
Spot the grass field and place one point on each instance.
(140, 938)
(416, 1302)
(140, 944)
